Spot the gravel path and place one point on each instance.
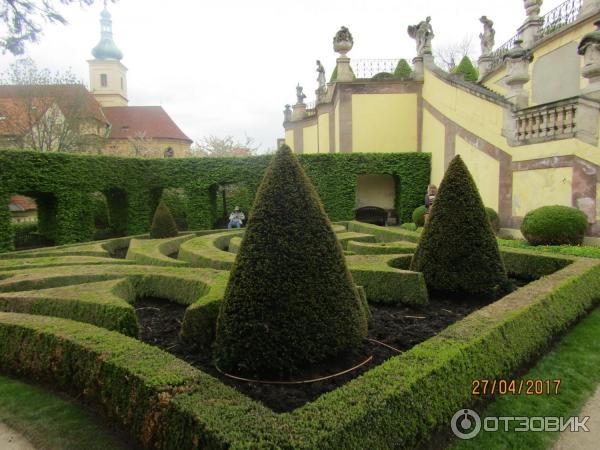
(584, 440)
(11, 440)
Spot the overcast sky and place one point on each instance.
(228, 67)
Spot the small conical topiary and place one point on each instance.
(467, 70)
(163, 224)
(458, 252)
(290, 300)
(402, 69)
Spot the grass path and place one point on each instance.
(51, 422)
(576, 362)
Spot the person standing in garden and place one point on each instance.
(236, 218)
(429, 198)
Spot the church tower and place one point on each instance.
(108, 77)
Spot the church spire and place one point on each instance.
(106, 48)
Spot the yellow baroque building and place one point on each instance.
(527, 129)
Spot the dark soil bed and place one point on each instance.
(400, 327)
(119, 253)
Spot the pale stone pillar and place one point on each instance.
(517, 68)
(298, 111)
(342, 44)
(418, 68)
(343, 69)
(590, 6)
(484, 65)
(530, 30)
(589, 48)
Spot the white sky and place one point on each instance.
(228, 67)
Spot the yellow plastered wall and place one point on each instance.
(484, 118)
(310, 141)
(535, 188)
(597, 202)
(375, 190)
(323, 124)
(289, 138)
(434, 138)
(384, 122)
(491, 83)
(484, 169)
(337, 127)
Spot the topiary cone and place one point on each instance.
(163, 224)
(458, 252)
(290, 300)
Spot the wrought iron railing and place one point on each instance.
(562, 15)
(546, 122)
(311, 109)
(498, 54)
(368, 68)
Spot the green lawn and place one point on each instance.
(52, 422)
(576, 362)
(570, 250)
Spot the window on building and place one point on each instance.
(169, 153)
(121, 82)
(103, 80)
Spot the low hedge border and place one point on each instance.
(167, 404)
(381, 248)
(346, 236)
(155, 252)
(234, 244)
(55, 261)
(384, 234)
(209, 250)
(530, 265)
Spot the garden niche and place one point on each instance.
(290, 301)
(458, 252)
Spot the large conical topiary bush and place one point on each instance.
(163, 224)
(458, 252)
(402, 69)
(291, 300)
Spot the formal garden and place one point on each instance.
(304, 329)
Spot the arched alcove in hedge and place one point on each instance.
(133, 186)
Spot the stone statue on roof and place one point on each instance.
(487, 37)
(422, 33)
(321, 77)
(300, 96)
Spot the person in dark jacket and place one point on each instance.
(429, 198)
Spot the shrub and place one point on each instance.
(493, 218)
(334, 74)
(290, 300)
(418, 216)
(163, 224)
(409, 226)
(402, 69)
(383, 76)
(554, 225)
(467, 70)
(458, 252)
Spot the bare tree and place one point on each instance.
(142, 145)
(50, 111)
(21, 20)
(448, 56)
(214, 146)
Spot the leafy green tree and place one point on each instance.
(21, 19)
(291, 300)
(402, 69)
(163, 224)
(467, 69)
(458, 252)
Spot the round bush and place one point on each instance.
(554, 225)
(409, 226)
(493, 217)
(418, 216)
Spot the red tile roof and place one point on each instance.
(148, 121)
(22, 203)
(16, 100)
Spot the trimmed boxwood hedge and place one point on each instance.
(166, 404)
(61, 184)
(554, 225)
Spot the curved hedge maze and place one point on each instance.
(67, 318)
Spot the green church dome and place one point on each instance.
(106, 48)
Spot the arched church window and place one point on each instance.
(169, 153)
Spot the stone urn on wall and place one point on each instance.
(342, 44)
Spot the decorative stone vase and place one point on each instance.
(343, 42)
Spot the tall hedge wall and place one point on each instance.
(61, 184)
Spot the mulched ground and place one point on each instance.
(400, 327)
